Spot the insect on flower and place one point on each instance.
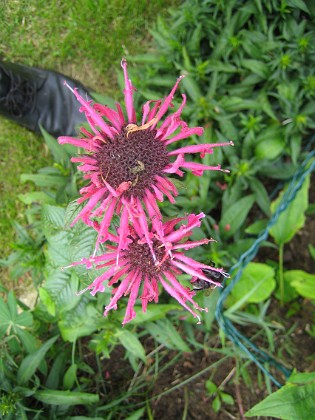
(212, 274)
(127, 164)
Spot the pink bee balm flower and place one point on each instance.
(139, 274)
(129, 164)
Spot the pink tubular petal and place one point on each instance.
(118, 275)
(119, 292)
(192, 271)
(167, 102)
(167, 184)
(120, 114)
(83, 143)
(123, 232)
(130, 312)
(184, 134)
(202, 148)
(97, 284)
(111, 115)
(174, 293)
(90, 205)
(166, 191)
(128, 92)
(105, 223)
(191, 244)
(90, 112)
(199, 168)
(185, 230)
(85, 159)
(173, 167)
(144, 226)
(151, 205)
(148, 113)
(158, 193)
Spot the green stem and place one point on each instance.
(281, 281)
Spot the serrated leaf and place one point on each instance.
(47, 301)
(82, 321)
(31, 362)
(53, 397)
(10, 320)
(53, 215)
(62, 288)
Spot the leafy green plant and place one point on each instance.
(220, 397)
(295, 400)
(251, 82)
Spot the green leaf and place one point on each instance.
(311, 249)
(153, 313)
(261, 195)
(191, 87)
(227, 398)
(45, 180)
(303, 283)
(70, 376)
(58, 151)
(47, 301)
(292, 219)
(53, 397)
(216, 404)
(257, 227)
(235, 215)
(211, 387)
(10, 320)
(255, 285)
(136, 415)
(288, 403)
(165, 333)
(32, 361)
(270, 148)
(36, 197)
(80, 322)
(131, 343)
(301, 377)
(54, 216)
(257, 67)
(56, 370)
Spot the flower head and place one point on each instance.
(128, 165)
(139, 274)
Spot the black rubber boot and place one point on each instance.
(33, 97)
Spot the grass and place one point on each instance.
(84, 39)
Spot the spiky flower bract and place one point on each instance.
(128, 165)
(138, 274)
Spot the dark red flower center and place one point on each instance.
(136, 157)
(140, 257)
